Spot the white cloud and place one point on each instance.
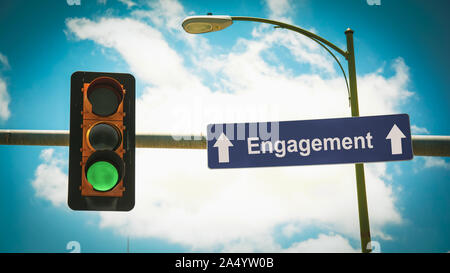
(149, 56)
(419, 130)
(4, 61)
(167, 13)
(128, 3)
(303, 49)
(381, 95)
(50, 181)
(280, 9)
(203, 208)
(290, 229)
(436, 162)
(179, 199)
(323, 244)
(4, 101)
(381, 200)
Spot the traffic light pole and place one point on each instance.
(423, 145)
(61, 138)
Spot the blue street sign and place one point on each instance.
(309, 142)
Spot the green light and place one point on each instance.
(102, 175)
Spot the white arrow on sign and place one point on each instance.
(395, 135)
(223, 144)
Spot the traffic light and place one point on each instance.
(102, 141)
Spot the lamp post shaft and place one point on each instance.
(359, 168)
(352, 73)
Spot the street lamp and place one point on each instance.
(208, 23)
(211, 23)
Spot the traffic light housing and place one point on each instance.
(102, 141)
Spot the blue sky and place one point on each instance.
(251, 72)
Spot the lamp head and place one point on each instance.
(207, 23)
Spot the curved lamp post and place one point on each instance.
(211, 23)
